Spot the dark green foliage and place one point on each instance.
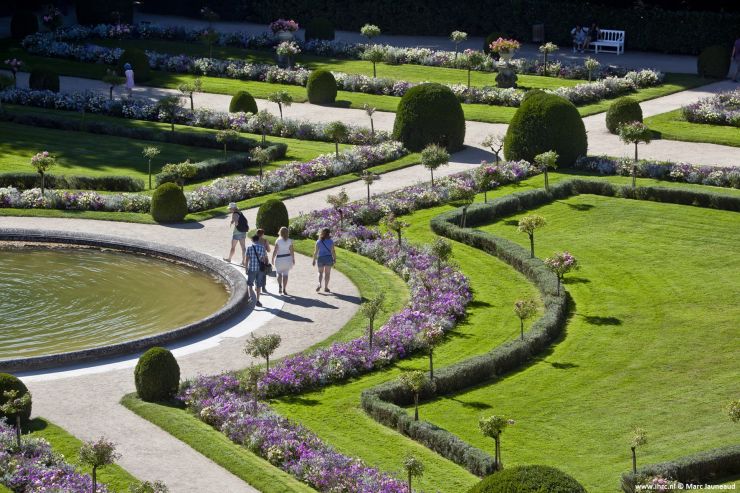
(23, 23)
(271, 216)
(43, 80)
(704, 467)
(545, 122)
(528, 479)
(430, 114)
(623, 110)
(109, 183)
(320, 28)
(157, 375)
(714, 62)
(9, 382)
(168, 204)
(321, 87)
(97, 12)
(243, 101)
(139, 63)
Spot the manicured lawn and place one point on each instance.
(117, 478)
(673, 126)
(654, 311)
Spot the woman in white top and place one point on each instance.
(283, 258)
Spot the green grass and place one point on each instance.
(117, 478)
(4, 489)
(673, 126)
(654, 307)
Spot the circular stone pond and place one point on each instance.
(78, 298)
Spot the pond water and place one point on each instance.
(56, 300)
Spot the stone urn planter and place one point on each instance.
(285, 36)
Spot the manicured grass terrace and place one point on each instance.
(673, 126)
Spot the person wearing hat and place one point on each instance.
(239, 233)
(128, 71)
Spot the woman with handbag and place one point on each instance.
(325, 257)
(283, 258)
(266, 245)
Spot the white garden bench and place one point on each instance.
(609, 38)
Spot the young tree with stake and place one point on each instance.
(433, 156)
(591, 66)
(414, 468)
(414, 381)
(265, 122)
(493, 427)
(442, 249)
(545, 161)
(226, 136)
(392, 223)
(524, 309)
(43, 162)
(370, 31)
(464, 201)
(546, 49)
(375, 55)
(639, 438)
(560, 264)
(261, 156)
(281, 98)
(112, 80)
(370, 111)
(96, 455)
(472, 59)
(262, 347)
(634, 133)
(337, 132)
(14, 406)
(150, 152)
(495, 142)
(170, 106)
(429, 338)
(189, 88)
(370, 310)
(458, 37)
(338, 201)
(369, 178)
(529, 224)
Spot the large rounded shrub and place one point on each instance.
(321, 87)
(157, 375)
(168, 204)
(528, 479)
(320, 28)
(271, 216)
(545, 122)
(623, 110)
(7, 383)
(243, 101)
(139, 64)
(714, 62)
(429, 114)
(23, 23)
(43, 80)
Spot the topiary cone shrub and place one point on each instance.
(430, 114)
(23, 23)
(545, 122)
(528, 479)
(168, 204)
(714, 62)
(321, 87)
(157, 375)
(271, 216)
(320, 28)
(243, 101)
(43, 80)
(139, 63)
(623, 110)
(9, 382)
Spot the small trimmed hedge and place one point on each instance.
(529, 479)
(43, 80)
(10, 382)
(243, 101)
(623, 110)
(108, 183)
(320, 28)
(703, 467)
(271, 216)
(139, 63)
(168, 204)
(157, 375)
(321, 87)
(23, 23)
(714, 62)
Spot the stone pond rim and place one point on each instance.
(230, 277)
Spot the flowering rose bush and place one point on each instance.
(283, 25)
(721, 109)
(502, 45)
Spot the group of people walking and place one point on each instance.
(256, 260)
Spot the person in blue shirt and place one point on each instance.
(325, 257)
(256, 260)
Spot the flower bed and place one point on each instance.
(35, 467)
(721, 109)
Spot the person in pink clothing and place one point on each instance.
(128, 71)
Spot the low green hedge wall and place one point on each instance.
(108, 183)
(700, 468)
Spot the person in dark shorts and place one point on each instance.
(325, 257)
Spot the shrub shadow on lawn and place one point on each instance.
(580, 207)
(594, 320)
(297, 399)
(576, 280)
(36, 424)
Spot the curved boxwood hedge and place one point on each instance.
(157, 375)
(168, 204)
(529, 479)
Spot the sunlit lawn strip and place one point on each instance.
(673, 126)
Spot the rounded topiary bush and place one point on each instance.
(7, 383)
(623, 110)
(243, 101)
(168, 204)
(545, 122)
(321, 87)
(157, 375)
(271, 216)
(714, 62)
(320, 28)
(429, 114)
(23, 23)
(528, 479)
(139, 64)
(43, 80)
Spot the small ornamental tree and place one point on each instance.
(414, 468)
(15, 405)
(170, 107)
(560, 264)
(226, 136)
(337, 132)
(529, 224)
(639, 438)
(495, 142)
(370, 111)
(484, 179)
(370, 31)
(591, 65)
(181, 171)
(261, 156)
(262, 347)
(394, 224)
(465, 199)
(112, 80)
(545, 161)
(442, 249)
(414, 381)
(458, 37)
(546, 49)
(43, 162)
(98, 454)
(733, 411)
(150, 152)
(281, 98)
(375, 55)
(492, 427)
(369, 178)
(634, 133)
(524, 309)
(370, 310)
(209, 37)
(433, 156)
(265, 122)
(189, 88)
(338, 201)
(472, 59)
(430, 337)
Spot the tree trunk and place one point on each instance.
(547, 181)
(399, 237)
(374, 73)
(368, 193)
(18, 429)
(521, 327)
(431, 365)
(544, 68)
(372, 127)
(172, 123)
(280, 107)
(263, 137)
(496, 459)
(42, 187)
(432, 172)
(468, 78)
(558, 285)
(634, 461)
(150, 174)
(336, 148)
(409, 481)
(416, 406)
(498, 451)
(260, 170)
(94, 479)
(485, 196)
(634, 175)
(192, 106)
(531, 245)
(110, 96)
(370, 336)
